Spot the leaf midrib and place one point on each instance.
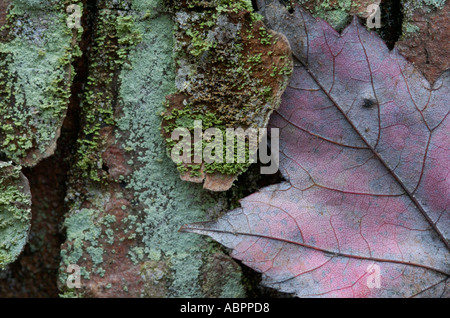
(392, 173)
(369, 147)
(192, 228)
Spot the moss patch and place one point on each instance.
(15, 212)
(231, 71)
(114, 37)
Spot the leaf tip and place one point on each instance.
(192, 228)
(184, 229)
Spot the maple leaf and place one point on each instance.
(364, 147)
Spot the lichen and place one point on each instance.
(337, 13)
(128, 227)
(15, 212)
(81, 229)
(409, 9)
(35, 79)
(231, 71)
(168, 201)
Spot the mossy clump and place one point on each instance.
(231, 72)
(15, 212)
(114, 36)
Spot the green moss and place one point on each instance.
(336, 14)
(162, 202)
(114, 37)
(15, 213)
(185, 118)
(69, 294)
(222, 75)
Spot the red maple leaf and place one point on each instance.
(365, 150)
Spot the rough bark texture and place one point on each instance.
(125, 211)
(36, 50)
(425, 36)
(122, 199)
(231, 72)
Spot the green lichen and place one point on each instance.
(15, 212)
(220, 5)
(82, 235)
(168, 201)
(35, 79)
(89, 234)
(409, 28)
(416, 4)
(146, 232)
(337, 13)
(185, 118)
(70, 294)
